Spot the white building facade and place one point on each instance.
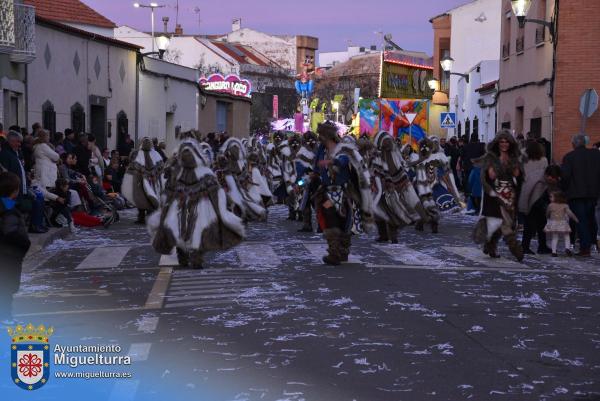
(168, 100)
(329, 59)
(475, 48)
(83, 81)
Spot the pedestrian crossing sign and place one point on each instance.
(448, 120)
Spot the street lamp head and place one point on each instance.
(447, 63)
(433, 84)
(520, 9)
(153, 4)
(163, 42)
(136, 5)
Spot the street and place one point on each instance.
(431, 318)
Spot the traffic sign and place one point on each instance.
(588, 106)
(589, 103)
(410, 117)
(448, 120)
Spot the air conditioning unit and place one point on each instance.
(481, 102)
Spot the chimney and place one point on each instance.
(178, 30)
(236, 24)
(166, 22)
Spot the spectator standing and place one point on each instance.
(545, 144)
(84, 155)
(27, 152)
(106, 157)
(473, 150)
(96, 161)
(45, 171)
(14, 243)
(70, 142)
(532, 202)
(126, 147)
(581, 183)
(58, 142)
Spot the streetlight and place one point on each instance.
(151, 6)
(447, 63)
(433, 84)
(521, 9)
(163, 43)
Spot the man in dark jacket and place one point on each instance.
(84, 154)
(472, 150)
(581, 183)
(14, 243)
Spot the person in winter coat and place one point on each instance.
(532, 202)
(45, 170)
(581, 183)
(14, 242)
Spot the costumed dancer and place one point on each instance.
(445, 191)
(294, 197)
(256, 165)
(398, 204)
(193, 215)
(344, 200)
(233, 164)
(280, 168)
(142, 182)
(501, 178)
(305, 184)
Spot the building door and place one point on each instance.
(122, 127)
(13, 113)
(519, 120)
(222, 116)
(536, 127)
(98, 124)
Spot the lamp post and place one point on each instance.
(433, 84)
(151, 6)
(521, 9)
(447, 63)
(163, 43)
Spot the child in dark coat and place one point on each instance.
(60, 207)
(14, 243)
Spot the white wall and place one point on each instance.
(466, 102)
(63, 86)
(473, 41)
(280, 49)
(162, 95)
(183, 50)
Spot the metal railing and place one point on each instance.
(24, 22)
(7, 24)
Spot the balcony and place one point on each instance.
(24, 31)
(7, 27)
(505, 51)
(540, 35)
(17, 31)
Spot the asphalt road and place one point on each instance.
(429, 319)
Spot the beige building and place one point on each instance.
(526, 58)
(220, 112)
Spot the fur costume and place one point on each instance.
(500, 196)
(305, 186)
(193, 215)
(142, 182)
(343, 200)
(240, 186)
(397, 201)
(280, 167)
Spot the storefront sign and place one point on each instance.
(232, 85)
(275, 107)
(401, 81)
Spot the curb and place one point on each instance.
(40, 241)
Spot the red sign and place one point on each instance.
(231, 84)
(275, 107)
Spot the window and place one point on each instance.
(49, 117)
(459, 131)
(476, 126)
(506, 36)
(467, 128)
(222, 116)
(77, 118)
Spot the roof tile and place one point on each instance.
(70, 11)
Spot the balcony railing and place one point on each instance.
(540, 35)
(7, 25)
(24, 23)
(506, 50)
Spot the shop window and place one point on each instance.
(77, 118)
(222, 116)
(49, 117)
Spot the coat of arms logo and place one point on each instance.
(30, 355)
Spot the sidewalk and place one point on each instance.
(39, 241)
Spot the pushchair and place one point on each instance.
(94, 205)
